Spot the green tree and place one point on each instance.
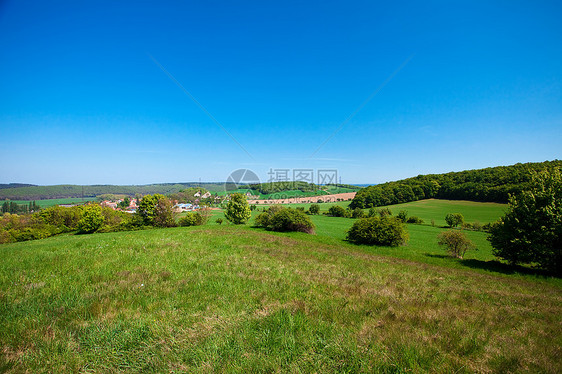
(454, 219)
(531, 230)
(125, 203)
(238, 211)
(146, 209)
(92, 219)
(456, 242)
(314, 209)
(163, 212)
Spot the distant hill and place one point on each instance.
(33, 192)
(15, 185)
(491, 184)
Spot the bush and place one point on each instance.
(314, 209)
(372, 212)
(285, 219)
(91, 221)
(402, 216)
(531, 230)
(384, 212)
(357, 213)
(192, 219)
(238, 210)
(337, 211)
(456, 242)
(385, 231)
(454, 219)
(414, 219)
(219, 221)
(264, 219)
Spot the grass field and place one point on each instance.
(52, 202)
(238, 299)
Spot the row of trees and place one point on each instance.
(15, 208)
(491, 184)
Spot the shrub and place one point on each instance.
(455, 242)
(219, 221)
(285, 219)
(357, 213)
(385, 231)
(477, 226)
(238, 210)
(192, 219)
(91, 221)
(372, 212)
(384, 212)
(264, 219)
(414, 219)
(402, 216)
(291, 220)
(337, 211)
(314, 209)
(454, 219)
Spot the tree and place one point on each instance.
(454, 219)
(163, 212)
(92, 219)
(314, 209)
(238, 211)
(456, 242)
(146, 209)
(531, 230)
(156, 210)
(125, 203)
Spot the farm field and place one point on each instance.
(239, 299)
(52, 202)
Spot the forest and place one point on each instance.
(493, 184)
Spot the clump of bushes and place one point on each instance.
(337, 211)
(192, 219)
(278, 218)
(414, 219)
(455, 242)
(386, 231)
(357, 213)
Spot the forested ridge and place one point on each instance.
(492, 184)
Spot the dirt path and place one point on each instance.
(309, 199)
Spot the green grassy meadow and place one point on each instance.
(52, 202)
(240, 299)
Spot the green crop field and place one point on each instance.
(52, 202)
(239, 299)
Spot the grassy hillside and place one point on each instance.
(238, 299)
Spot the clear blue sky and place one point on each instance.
(82, 102)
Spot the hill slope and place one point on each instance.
(236, 299)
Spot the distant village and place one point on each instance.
(200, 198)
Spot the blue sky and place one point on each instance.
(472, 84)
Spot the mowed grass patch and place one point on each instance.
(237, 299)
(437, 209)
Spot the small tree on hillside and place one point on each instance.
(456, 242)
(314, 209)
(238, 211)
(91, 221)
(454, 219)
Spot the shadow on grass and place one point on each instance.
(496, 266)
